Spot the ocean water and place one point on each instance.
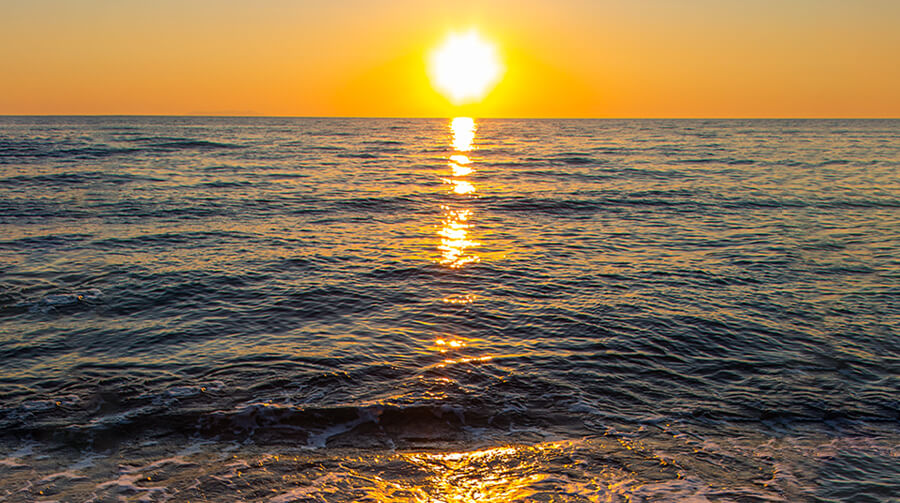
(267, 309)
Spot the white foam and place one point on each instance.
(319, 440)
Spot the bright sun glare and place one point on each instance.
(465, 67)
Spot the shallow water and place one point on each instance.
(432, 310)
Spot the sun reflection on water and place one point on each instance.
(460, 159)
(453, 343)
(463, 129)
(459, 165)
(497, 474)
(460, 187)
(454, 231)
(459, 299)
(455, 239)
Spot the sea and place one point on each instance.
(449, 310)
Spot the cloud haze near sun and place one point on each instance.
(566, 58)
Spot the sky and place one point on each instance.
(562, 58)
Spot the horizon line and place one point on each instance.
(212, 116)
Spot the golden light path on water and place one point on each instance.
(463, 131)
(454, 232)
(497, 474)
(493, 474)
(456, 242)
(501, 474)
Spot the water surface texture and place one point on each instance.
(225, 309)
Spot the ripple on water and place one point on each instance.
(434, 310)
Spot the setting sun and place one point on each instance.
(465, 67)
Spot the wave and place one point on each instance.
(170, 239)
(378, 204)
(162, 210)
(12, 151)
(564, 159)
(180, 411)
(316, 427)
(78, 178)
(360, 155)
(66, 301)
(176, 143)
(46, 242)
(699, 203)
(39, 208)
(188, 144)
(730, 161)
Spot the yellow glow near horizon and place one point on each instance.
(567, 58)
(465, 67)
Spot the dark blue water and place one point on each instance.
(223, 309)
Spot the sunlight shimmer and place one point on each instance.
(463, 131)
(461, 187)
(459, 165)
(465, 67)
(454, 231)
(460, 170)
(491, 475)
(455, 239)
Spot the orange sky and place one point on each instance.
(563, 58)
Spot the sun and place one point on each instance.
(465, 67)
